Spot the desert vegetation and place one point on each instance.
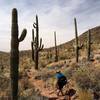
(30, 75)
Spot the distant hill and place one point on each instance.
(95, 37)
(68, 48)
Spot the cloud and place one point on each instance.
(55, 15)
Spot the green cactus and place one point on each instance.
(77, 47)
(14, 54)
(35, 45)
(56, 51)
(89, 45)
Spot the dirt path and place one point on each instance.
(41, 87)
(49, 92)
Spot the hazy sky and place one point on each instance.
(54, 15)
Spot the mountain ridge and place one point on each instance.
(95, 34)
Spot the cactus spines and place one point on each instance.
(35, 45)
(88, 45)
(56, 51)
(14, 54)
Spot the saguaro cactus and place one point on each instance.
(56, 51)
(77, 47)
(35, 45)
(14, 57)
(89, 45)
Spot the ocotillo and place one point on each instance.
(14, 54)
(36, 47)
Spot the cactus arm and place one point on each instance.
(40, 42)
(23, 35)
(34, 25)
(33, 35)
(33, 38)
(41, 46)
(33, 44)
(32, 50)
(37, 32)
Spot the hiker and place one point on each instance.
(61, 82)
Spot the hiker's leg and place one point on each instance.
(57, 88)
(58, 92)
(69, 98)
(61, 92)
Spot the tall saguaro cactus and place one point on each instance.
(35, 45)
(77, 47)
(76, 39)
(14, 54)
(89, 45)
(56, 51)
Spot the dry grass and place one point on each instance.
(85, 95)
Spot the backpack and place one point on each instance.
(63, 80)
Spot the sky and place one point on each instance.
(54, 15)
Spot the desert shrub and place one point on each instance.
(88, 78)
(68, 72)
(52, 82)
(85, 94)
(62, 57)
(55, 65)
(98, 58)
(42, 63)
(82, 78)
